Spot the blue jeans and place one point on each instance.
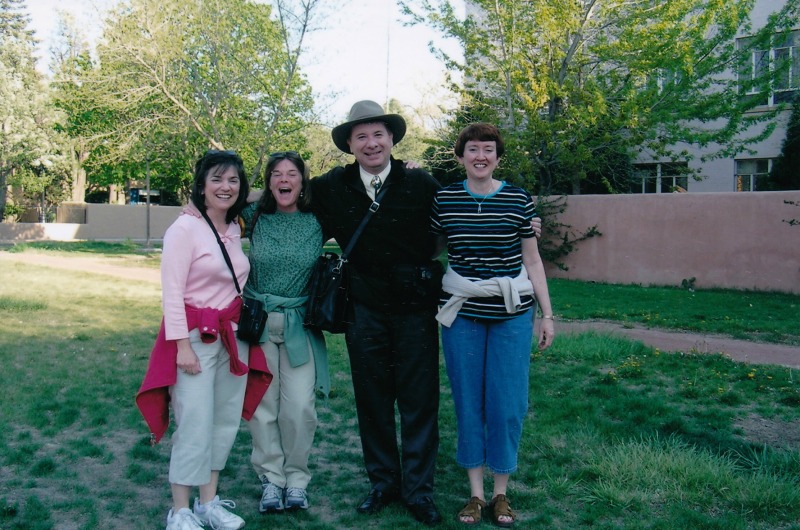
(488, 364)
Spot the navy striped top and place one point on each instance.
(484, 239)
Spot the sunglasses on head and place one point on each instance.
(286, 154)
(221, 152)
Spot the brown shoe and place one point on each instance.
(501, 507)
(473, 509)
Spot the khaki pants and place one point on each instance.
(208, 410)
(284, 423)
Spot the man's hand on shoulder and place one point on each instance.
(536, 225)
(191, 209)
(254, 195)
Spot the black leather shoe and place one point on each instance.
(376, 501)
(425, 511)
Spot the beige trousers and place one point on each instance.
(284, 423)
(208, 408)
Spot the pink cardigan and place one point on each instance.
(162, 371)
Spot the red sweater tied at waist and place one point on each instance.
(162, 371)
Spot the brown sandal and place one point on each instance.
(474, 509)
(500, 507)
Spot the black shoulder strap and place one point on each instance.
(372, 209)
(224, 251)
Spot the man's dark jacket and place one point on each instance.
(398, 233)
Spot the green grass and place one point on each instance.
(749, 315)
(92, 247)
(619, 436)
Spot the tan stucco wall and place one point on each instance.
(735, 240)
(109, 222)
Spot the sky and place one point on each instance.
(360, 50)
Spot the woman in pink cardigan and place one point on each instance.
(197, 354)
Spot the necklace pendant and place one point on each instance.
(479, 208)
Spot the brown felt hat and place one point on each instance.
(367, 112)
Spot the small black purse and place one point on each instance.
(327, 306)
(253, 317)
(252, 320)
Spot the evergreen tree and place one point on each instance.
(785, 173)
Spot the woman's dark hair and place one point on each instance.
(223, 160)
(479, 132)
(267, 203)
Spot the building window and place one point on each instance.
(787, 53)
(781, 61)
(660, 178)
(749, 173)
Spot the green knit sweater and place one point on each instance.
(282, 251)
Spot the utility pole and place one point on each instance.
(147, 185)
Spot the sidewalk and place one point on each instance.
(738, 350)
(100, 265)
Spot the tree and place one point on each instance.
(176, 77)
(414, 143)
(28, 143)
(785, 174)
(69, 60)
(580, 87)
(320, 153)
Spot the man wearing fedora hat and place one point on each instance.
(393, 339)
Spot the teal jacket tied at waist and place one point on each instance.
(300, 341)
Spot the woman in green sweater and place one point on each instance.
(285, 241)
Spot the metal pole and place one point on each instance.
(147, 179)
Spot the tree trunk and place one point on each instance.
(576, 185)
(3, 190)
(78, 184)
(79, 175)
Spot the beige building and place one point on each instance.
(744, 171)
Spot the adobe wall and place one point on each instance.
(735, 240)
(106, 222)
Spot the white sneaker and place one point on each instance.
(296, 498)
(216, 515)
(183, 520)
(271, 497)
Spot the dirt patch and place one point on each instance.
(680, 341)
(97, 265)
(770, 432)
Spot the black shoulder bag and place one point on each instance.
(328, 294)
(253, 318)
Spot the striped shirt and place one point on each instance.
(484, 239)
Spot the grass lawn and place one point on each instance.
(619, 436)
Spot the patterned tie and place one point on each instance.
(376, 183)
